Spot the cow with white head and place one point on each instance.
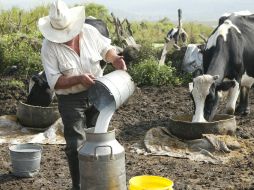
(228, 65)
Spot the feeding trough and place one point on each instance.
(182, 127)
(37, 117)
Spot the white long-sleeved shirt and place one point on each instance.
(59, 59)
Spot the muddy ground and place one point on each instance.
(148, 107)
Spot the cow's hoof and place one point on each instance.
(230, 111)
(246, 111)
(242, 111)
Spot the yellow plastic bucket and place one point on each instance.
(147, 182)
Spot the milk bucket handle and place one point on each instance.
(111, 151)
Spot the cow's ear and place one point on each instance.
(226, 85)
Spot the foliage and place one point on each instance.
(147, 51)
(149, 72)
(194, 30)
(97, 11)
(151, 31)
(18, 20)
(13, 84)
(20, 50)
(20, 44)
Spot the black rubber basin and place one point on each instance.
(182, 127)
(36, 116)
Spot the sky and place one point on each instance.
(193, 10)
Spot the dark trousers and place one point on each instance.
(77, 115)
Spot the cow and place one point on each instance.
(39, 93)
(228, 65)
(173, 35)
(193, 58)
(99, 24)
(11, 70)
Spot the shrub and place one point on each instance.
(21, 50)
(195, 29)
(97, 11)
(149, 72)
(147, 51)
(13, 83)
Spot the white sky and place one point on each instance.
(195, 10)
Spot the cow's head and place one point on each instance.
(40, 93)
(173, 35)
(205, 94)
(193, 58)
(40, 80)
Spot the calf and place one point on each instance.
(39, 91)
(228, 65)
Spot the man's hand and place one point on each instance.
(87, 79)
(119, 63)
(116, 60)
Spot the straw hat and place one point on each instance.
(63, 23)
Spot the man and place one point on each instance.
(70, 54)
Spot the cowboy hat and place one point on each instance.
(63, 23)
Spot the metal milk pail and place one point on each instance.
(25, 159)
(116, 87)
(102, 162)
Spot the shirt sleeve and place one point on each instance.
(50, 64)
(103, 44)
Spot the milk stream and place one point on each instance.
(104, 118)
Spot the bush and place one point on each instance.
(13, 83)
(97, 11)
(195, 29)
(149, 72)
(146, 52)
(21, 50)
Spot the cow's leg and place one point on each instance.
(243, 107)
(232, 98)
(246, 83)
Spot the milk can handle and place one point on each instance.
(111, 151)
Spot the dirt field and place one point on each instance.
(148, 107)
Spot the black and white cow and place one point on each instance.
(39, 93)
(173, 35)
(193, 58)
(228, 65)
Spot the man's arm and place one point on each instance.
(65, 82)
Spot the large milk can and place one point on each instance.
(102, 162)
(116, 87)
